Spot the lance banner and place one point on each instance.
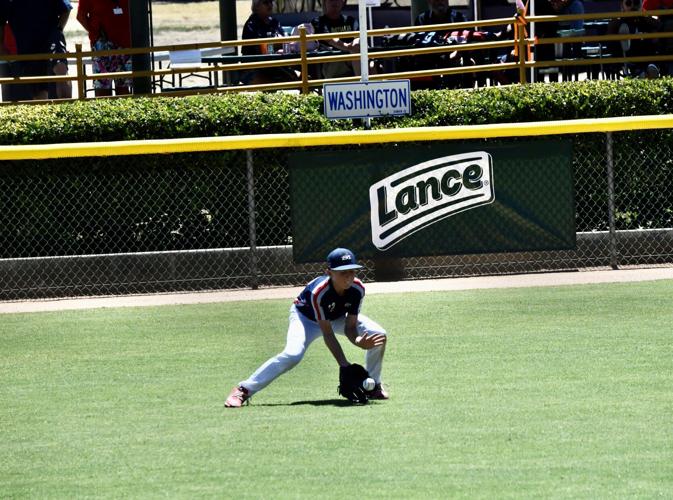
(439, 199)
(422, 194)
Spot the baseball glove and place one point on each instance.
(350, 383)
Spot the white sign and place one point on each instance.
(419, 196)
(373, 3)
(367, 99)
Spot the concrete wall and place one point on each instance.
(232, 268)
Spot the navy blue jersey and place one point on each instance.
(255, 27)
(33, 22)
(319, 300)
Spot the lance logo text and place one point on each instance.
(421, 195)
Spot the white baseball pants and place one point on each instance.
(300, 334)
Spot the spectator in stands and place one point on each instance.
(665, 23)
(261, 24)
(35, 24)
(56, 90)
(657, 4)
(59, 67)
(439, 12)
(559, 8)
(334, 20)
(109, 27)
(634, 48)
(547, 52)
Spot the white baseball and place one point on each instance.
(368, 384)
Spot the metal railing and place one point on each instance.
(521, 45)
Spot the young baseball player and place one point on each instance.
(329, 304)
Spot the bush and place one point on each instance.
(241, 114)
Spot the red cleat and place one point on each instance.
(378, 393)
(237, 397)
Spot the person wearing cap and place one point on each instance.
(329, 304)
(335, 21)
(262, 24)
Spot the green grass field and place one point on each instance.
(520, 393)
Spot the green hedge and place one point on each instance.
(238, 114)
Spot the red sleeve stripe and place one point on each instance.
(359, 286)
(315, 299)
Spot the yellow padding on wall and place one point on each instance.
(194, 144)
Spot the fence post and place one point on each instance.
(612, 242)
(304, 60)
(139, 12)
(252, 221)
(520, 41)
(81, 72)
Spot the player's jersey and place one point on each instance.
(319, 300)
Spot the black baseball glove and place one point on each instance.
(350, 383)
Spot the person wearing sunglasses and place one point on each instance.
(262, 24)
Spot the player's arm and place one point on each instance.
(332, 343)
(364, 341)
(337, 43)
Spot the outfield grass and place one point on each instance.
(519, 393)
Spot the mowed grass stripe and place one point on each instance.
(540, 392)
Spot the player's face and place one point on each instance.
(342, 280)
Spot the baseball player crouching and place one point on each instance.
(329, 304)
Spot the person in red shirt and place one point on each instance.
(109, 28)
(657, 4)
(8, 40)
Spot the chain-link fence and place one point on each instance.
(110, 225)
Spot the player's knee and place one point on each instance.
(291, 359)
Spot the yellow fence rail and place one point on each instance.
(274, 141)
